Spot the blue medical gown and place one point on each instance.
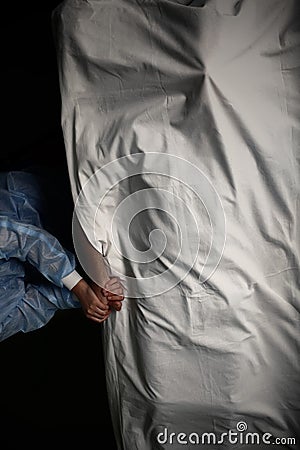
(32, 261)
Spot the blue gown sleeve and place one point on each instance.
(38, 247)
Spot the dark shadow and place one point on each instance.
(53, 390)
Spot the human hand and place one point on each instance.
(112, 292)
(95, 307)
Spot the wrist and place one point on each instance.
(79, 287)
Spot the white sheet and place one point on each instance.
(195, 106)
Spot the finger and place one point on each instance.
(114, 298)
(115, 287)
(97, 315)
(112, 280)
(112, 285)
(100, 311)
(101, 305)
(95, 311)
(116, 305)
(118, 291)
(95, 319)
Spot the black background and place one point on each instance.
(53, 391)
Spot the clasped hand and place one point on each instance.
(98, 302)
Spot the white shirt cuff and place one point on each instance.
(71, 280)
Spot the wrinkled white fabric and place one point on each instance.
(217, 84)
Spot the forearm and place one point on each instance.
(92, 261)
